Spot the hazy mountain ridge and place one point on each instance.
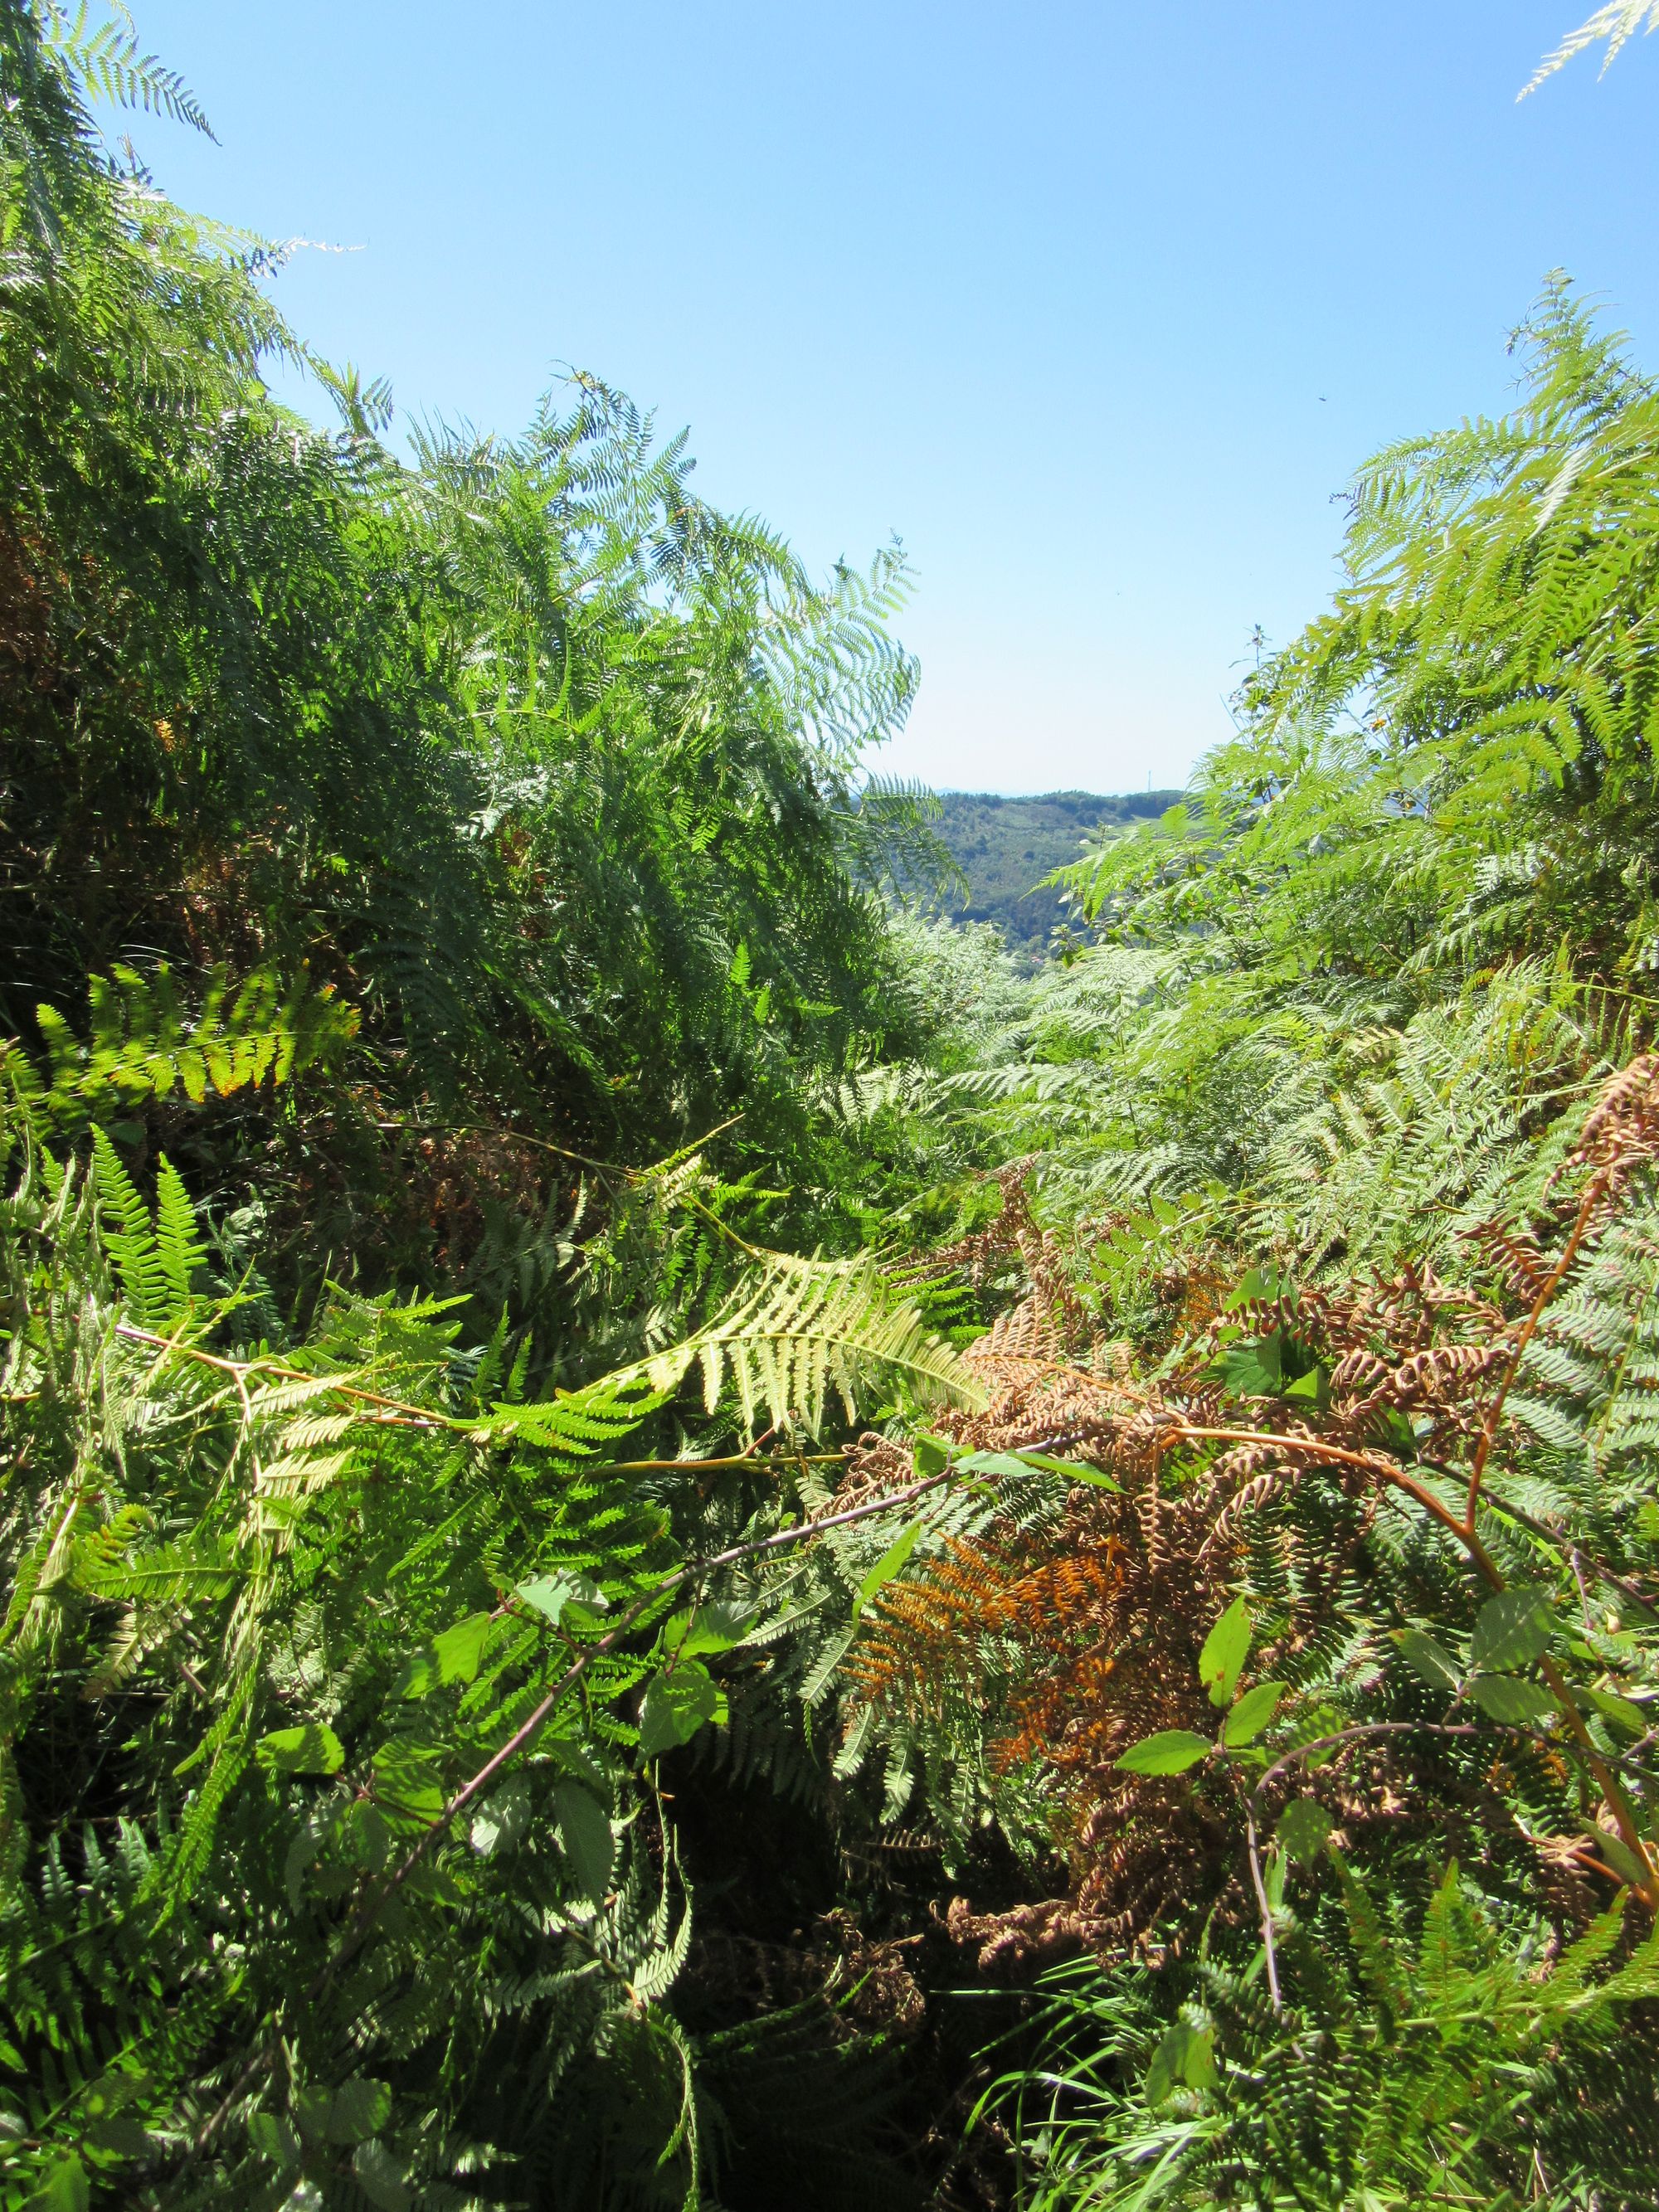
(1005, 846)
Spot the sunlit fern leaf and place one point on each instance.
(802, 1329)
(105, 55)
(1617, 23)
(130, 1237)
(178, 1246)
(147, 1042)
(581, 1424)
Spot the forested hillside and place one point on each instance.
(672, 1538)
(1006, 848)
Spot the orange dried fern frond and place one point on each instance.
(924, 1644)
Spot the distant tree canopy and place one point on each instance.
(1005, 847)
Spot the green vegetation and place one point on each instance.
(670, 1536)
(1616, 24)
(1006, 849)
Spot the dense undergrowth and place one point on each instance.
(671, 1540)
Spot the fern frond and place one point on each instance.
(805, 1328)
(1618, 23)
(145, 1044)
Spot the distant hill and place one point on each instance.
(1005, 846)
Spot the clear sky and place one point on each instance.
(1097, 304)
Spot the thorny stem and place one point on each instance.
(1372, 1463)
(1611, 1789)
(564, 1152)
(405, 1415)
(1263, 1907)
(1390, 1471)
(1352, 1735)
(1345, 1736)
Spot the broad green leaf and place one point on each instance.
(675, 1707)
(309, 2113)
(453, 1656)
(1251, 1714)
(711, 1628)
(1312, 1388)
(1225, 1650)
(380, 2178)
(65, 2189)
(1507, 1698)
(1305, 1827)
(553, 1596)
(1253, 1369)
(1165, 2069)
(114, 2090)
(584, 1832)
(406, 1783)
(1171, 1751)
(1001, 1467)
(273, 2135)
(312, 1749)
(890, 1563)
(121, 2135)
(1511, 1630)
(1185, 2057)
(1074, 1470)
(1258, 1285)
(1428, 1659)
(1620, 1711)
(503, 1817)
(1619, 1856)
(930, 1456)
(360, 2108)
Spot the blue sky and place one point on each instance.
(1097, 305)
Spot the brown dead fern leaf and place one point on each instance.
(1106, 1611)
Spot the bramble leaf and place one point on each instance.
(360, 2108)
(675, 1707)
(711, 1628)
(1506, 1697)
(552, 1596)
(1171, 1751)
(1225, 1650)
(1429, 1660)
(1251, 1714)
(453, 1656)
(1619, 1856)
(1185, 2057)
(312, 1748)
(584, 1832)
(1305, 1827)
(890, 1563)
(1622, 1711)
(1511, 1631)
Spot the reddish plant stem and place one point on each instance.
(1263, 1907)
(1390, 1471)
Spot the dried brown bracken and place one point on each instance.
(1105, 1613)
